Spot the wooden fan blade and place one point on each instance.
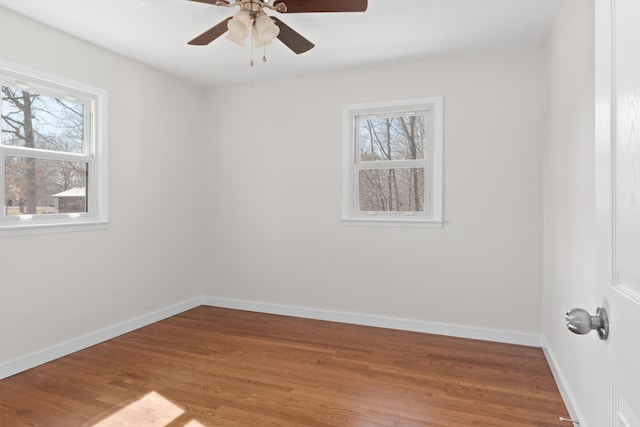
(211, 34)
(214, 2)
(291, 38)
(304, 6)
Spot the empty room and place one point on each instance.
(319, 213)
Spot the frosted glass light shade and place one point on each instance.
(255, 39)
(267, 30)
(237, 38)
(239, 26)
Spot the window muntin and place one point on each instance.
(393, 163)
(52, 153)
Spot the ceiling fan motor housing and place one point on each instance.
(252, 6)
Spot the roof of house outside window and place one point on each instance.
(72, 192)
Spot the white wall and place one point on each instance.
(267, 179)
(569, 201)
(58, 287)
(274, 162)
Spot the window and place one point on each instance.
(52, 153)
(393, 163)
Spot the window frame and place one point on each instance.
(432, 217)
(94, 153)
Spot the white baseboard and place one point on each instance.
(508, 337)
(30, 361)
(565, 392)
(47, 355)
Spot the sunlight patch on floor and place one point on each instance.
(152, 410)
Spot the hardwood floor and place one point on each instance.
(219, 367)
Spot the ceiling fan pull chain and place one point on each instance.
(264, 53)
(251, 37)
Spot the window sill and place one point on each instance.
(393, 222)
(33, 229)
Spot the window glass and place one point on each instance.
(41, 186)
(397, 189)
(400, 137)
(38, 121)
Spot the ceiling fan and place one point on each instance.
(252, 21)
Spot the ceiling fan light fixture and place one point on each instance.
(256, 41)
(239, 27)
(237, 38)
(265, 27)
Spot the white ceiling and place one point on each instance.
(156, 32)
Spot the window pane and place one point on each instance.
(37, 186)
(397, 189)
(39, 121)
(400, 137)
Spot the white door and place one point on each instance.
(618, 206)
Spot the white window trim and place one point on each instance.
(96, 155)
(350, 216)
